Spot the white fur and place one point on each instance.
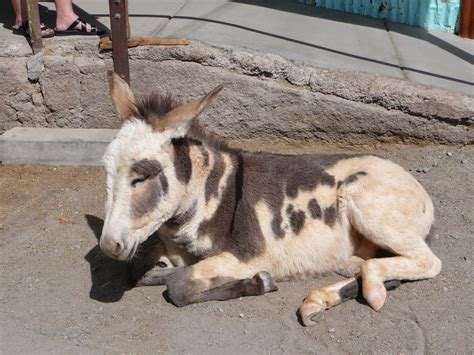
(136, 141)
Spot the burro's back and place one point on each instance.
(231, 222)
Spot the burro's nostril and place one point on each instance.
(118, 248)
(111, 246)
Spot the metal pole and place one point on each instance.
(120, 32)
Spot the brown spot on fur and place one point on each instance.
(220, 228)
(350, 290)
(351, 178)
(211, 139)
(354, 177)
(314, 209)
(182, 160)
(164, 183)
(182, 218)
(275, 175)
(205, 155)
(146, 199)
(212, 182)
(297, 220)
(330, 215)
(147, 167)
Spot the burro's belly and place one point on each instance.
(317, 247)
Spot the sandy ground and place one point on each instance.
(59, 295)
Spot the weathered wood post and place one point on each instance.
(466, 19)
(34, 24)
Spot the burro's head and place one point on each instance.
(144, 186)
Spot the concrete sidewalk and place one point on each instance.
(305, 34)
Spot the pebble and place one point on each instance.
(435, 164)
(462, 161)
(425, 170)
(454, 236)
(331, 330)
(221, 310)
(449, 154)
(241, 315)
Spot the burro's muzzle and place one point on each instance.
(116, 240)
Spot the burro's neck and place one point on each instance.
(204, 218)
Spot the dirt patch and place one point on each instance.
(60, 295)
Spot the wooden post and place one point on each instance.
(466, 19)
(34, 24)
(120, 33)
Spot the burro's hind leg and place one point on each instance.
(217, 278)
(326, 297)
(389, 208)
(395, 213)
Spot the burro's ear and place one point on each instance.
(122, 97)
(179, 119)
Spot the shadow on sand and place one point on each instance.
(111, 278)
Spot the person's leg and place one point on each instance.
(67, 19)
(65, 15)
(21, 19)
(21, 14)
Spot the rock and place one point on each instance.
(331, 330)
(425, 170)
(241, 315)
(35, 66)
(449, 154)
(454, 236)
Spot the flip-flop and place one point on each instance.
(82, 31)
(24, 30)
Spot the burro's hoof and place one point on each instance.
(265, 282)
(311, 313)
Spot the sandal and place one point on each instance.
(86, 29)
(24, 30)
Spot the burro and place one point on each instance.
(233, 222)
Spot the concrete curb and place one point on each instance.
(55, 146)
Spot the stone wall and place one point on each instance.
(265, 96)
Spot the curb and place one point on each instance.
(55, 146)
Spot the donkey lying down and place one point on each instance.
(232, 222)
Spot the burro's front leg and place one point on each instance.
(217, 278)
